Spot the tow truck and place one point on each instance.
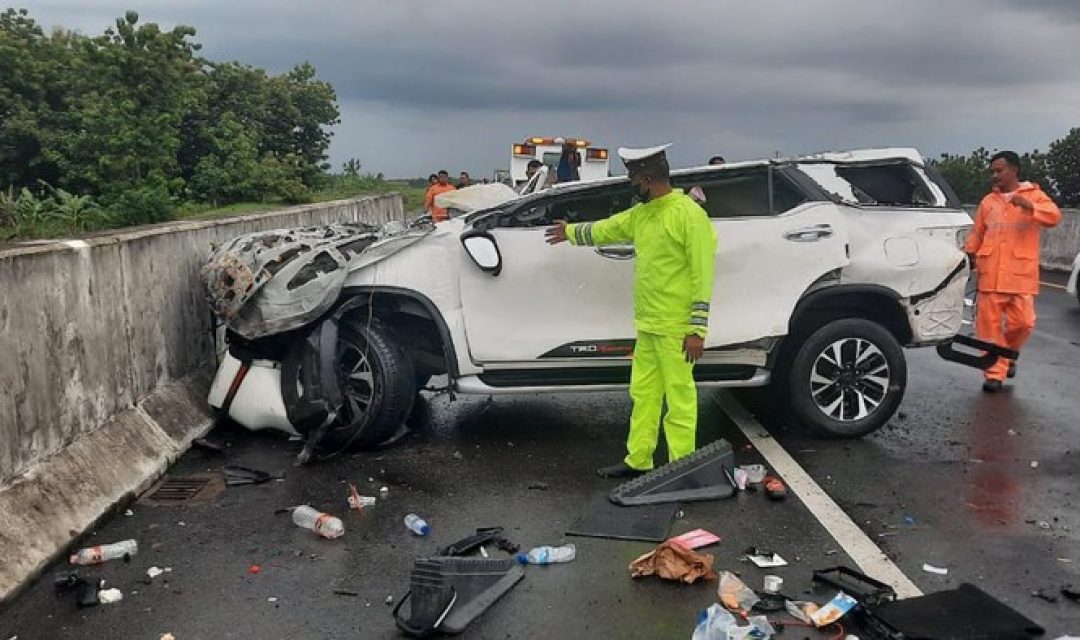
(594, 160)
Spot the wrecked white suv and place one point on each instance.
(827, 266)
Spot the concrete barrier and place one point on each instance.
(106, 345)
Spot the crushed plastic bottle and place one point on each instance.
(365, 502)
(548, 555)
(321, 523)
(416, 524)
(104, 552)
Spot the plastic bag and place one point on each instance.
(735, 595)
(714, 624)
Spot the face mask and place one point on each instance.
(641, 192)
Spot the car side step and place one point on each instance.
(448, 593)
(705, 474)
(985, 360)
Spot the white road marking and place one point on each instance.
(1054, 286)
(867, 555)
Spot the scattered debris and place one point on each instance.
(357, 501)
(772, 584)
(741, 478)
(909, 521)
(85, 589)
(323, 524)
(734, 594)
(755, 473)
(1042, 595)
(538, 486)
(548, 555)
(1071, 594)
(129, 513)
(835, 609)
(866, 590)
(389, 600)
(717, 624)
(271, 599)
(167, 636)
(417, 525)
(383, 492)
(110, 596)
(1011, 432)
(254, 569)
(449, 593)
(103, 553)
(207, 445)
(1043, 524)
(695, 539)
(702, 475)
(236, 475)
(154, 572)
(671, 561)
(486, 535)
(765, 559)
(345, 592)
(457, 456)
(941, 571)
(774, 487)
(1034, 464)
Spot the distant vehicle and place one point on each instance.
(828, 266)
(1074, 279)
(594, 160)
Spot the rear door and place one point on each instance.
(773, 242)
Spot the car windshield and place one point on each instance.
(894, 183)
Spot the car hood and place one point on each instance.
(270, 282)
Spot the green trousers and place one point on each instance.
(660, 371)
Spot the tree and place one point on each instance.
(231, 170)
(967, 175)
(351, 168)
(1063, 165)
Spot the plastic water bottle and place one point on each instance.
(104, 552)
(416, 524)
(321, 523)
(548, 555)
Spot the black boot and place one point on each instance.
(1012, 370)
(993, 386)
(620, 470)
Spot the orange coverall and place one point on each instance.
(438, 214)
(1005, 242)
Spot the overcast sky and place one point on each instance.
(429, 85)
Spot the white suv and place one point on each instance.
(826, 267)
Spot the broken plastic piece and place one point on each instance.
(154, 572)
(467, 545)
(110, 596)
(695, 539)
(836, 608)
(702, 475)
(941, 571)
(860, 586)
(765, 559)
(236, 475)
(447, 594)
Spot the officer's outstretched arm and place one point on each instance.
(618, 229)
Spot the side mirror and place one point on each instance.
(484, 252)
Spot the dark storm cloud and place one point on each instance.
(425, 83)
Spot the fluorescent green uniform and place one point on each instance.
(675, 247)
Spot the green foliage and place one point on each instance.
(134, 121)
(1063, 165)
(968, 175)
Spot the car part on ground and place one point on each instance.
(705, 474)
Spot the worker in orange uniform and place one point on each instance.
(438, 214)
(1005, 246)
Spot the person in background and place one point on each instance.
(569, 162)
(464, 180)
(532, 168)
(1004, 244)
(438, 214)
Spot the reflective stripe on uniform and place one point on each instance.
(700, 306)
(699, 322)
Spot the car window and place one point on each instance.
(742, 194)
(579, 207)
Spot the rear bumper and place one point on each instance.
(257, 402)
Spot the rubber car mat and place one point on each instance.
(964, 613)
(602, 519)
(705, 474)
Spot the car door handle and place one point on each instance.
(809, 234)
(616, 252)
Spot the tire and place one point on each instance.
(378, 395)
(859, 397)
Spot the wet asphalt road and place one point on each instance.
(956, 462)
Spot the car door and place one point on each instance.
(773, 242)
(549, 304)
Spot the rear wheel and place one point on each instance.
(847, 378)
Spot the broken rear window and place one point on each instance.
(894, 184)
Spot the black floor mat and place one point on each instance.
(602, 519)
(964, 613)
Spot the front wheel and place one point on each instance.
(847, 379)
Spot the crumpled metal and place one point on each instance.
(270, 282)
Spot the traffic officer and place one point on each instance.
(675, 248)
(1005, 245)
